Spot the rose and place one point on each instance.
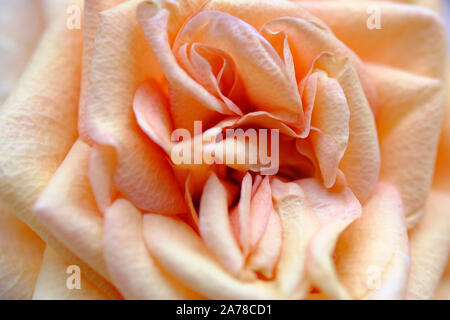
(89, 206)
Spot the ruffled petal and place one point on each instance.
(118, 66)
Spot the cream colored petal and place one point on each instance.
(372, 254)
(38, 127)
(265, 256)
(118, 67)
(409, 122)
(335, 211)
(395, 44)
(54, 277)
(180, 251)
(443, 288)
(430, 247)
(20, 257)
(68, 209)
(20, 31)
(132, 268)
(214, 226)
(298, 224)
(91, 16)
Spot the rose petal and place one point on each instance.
(430, 247)
(151, 109)
(215, 228)
(38, 123)
(267, 252)
(372, 254)
(298, 224)
(204, 274)
(20, 257)
(411, 111)
(16, 42)
(131, 267)
(331, 116)
(334, 211)
(91, 16)
(53, 279)
(269, 85)
(395, 43)
(189, 100)
(118, 66)
(68, 209)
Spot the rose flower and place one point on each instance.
(115, 149)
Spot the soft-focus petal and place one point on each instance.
(372, 254)
(17, 42)
(396, 43)
(430, 247)
(20, 257)
(334, 211)
(409, 122)
(52, 281)
(67, 208)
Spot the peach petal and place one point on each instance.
(260, 211)
(308, 39)
(189, 100)
(411, 111)
(118, 66)
(334, 211)
(240, 216)
(20, 257)
(372, 254)
(38, 124)
(204, 274)
(430, 247)
(52, 281)
(132, 268)
(443, 289)
(68, 209)
(331, 116)
(201, 69)
(91, 19)
(214, 226)
(257, 13)
(268, 83)
(16, 42)
(298, 225)
(361, 161)
(395, 44)
(152, 114)
(266, 254)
